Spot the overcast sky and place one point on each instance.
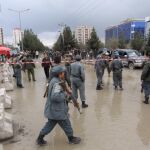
(45, 15)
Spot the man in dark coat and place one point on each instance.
(145, 78)
(46, 63)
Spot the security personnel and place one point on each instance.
(145, 78)
(57, 62)
(117, 67)
(56, 109)
(17, 68)
(46, 63)
(29, 66)
(78, 80)
(99, 68)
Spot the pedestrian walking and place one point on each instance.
(29, 66)
(46, 63)
(57, 99)
(117, 68)
(99, 68)
(145, 78)
(37, 54)
(78, 80)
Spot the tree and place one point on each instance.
(66, 41)
(121, 42)
(31, 41)
(137, 42)
(69, 39)
(94, 43)
(58, 46)
(113, 44)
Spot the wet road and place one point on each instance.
(115, 120)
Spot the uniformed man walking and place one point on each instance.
(99, 68)
(56, 109)
(18, 75)
(145, 78)
(78, 80)
(29, 66)
(116, 68)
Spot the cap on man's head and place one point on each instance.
(78, 58)
(57, 70)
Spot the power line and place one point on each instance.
(91, 9)
(82, 8)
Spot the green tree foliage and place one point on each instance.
(69, 39)
(137, 42)
(31, 41)
(94, 43)
(113, 44)
(66, 41)
(58, 46)
(121, 42)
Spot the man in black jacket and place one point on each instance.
(46, 63)
(145, 78)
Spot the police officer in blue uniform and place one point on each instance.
(116, 68)
(99, 68)
(56, 109)
(78, 80)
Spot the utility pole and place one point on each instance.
(19, 12)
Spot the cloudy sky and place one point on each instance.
(45, 15)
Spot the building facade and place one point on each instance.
(127, 29)
(147, 25)
(83, 34)
(17, 36)
(1, 36)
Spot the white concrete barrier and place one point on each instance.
(6, 127)
(1, 147)
(5, 99)
(6, 79)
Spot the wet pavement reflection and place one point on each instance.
(115, 120)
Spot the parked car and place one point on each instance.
(131, 58)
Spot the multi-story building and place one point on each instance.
(111, 33)
(1, 36)
(83, 34)
(127, 29)
(147, 25)
(17, 36)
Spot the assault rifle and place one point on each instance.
(71, 98)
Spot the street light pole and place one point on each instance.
(20, 23)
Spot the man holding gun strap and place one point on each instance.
(56, 109)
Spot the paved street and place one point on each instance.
(115, 120)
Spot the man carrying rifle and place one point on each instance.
(56, 109)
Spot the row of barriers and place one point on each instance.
(6, 85)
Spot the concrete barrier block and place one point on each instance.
(6, 127)
(1, 147)
(7, 84)
(8, 117)
(5, 99)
